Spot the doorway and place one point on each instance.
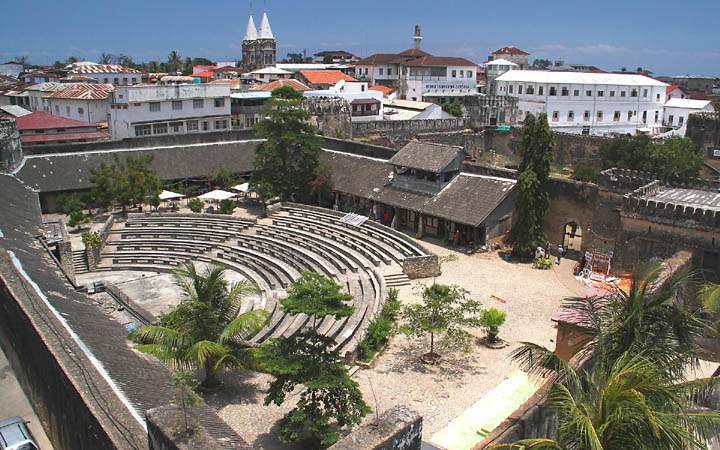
(572, 237)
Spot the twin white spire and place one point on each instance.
(252, 34)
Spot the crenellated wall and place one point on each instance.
(704, 130)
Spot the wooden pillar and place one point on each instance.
(421, 226)
(476, 237)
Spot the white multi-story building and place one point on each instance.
(495, 68)
(588, 103)
(109, 73)
(418, 75)
(678, 110)
(147, 110)
(86, 102)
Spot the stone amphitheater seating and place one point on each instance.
(271, 256)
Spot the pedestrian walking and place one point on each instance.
(560, 251)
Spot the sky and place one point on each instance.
(668, 38)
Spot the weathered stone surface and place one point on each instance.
(166, 431)
(421, 266)
(11, 153)
(399, 428)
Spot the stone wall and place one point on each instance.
(11, 152)
(407, 128)
(490, 110)
(421, 266)
(398, 428)
(704, 130)
(166, 431)
(330, 115)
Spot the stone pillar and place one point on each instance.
(65, 257)
(11, 153)
(421, 226)
(93, 257)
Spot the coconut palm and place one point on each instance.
(206, 330)
(631, 405)
(174, 61)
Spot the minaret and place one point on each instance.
(417, 39)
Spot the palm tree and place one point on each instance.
(174, 61)
(632, 405)
(206, 330)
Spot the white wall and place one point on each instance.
(11, 70)
(678, 117)
(124, 78)
(84, 110)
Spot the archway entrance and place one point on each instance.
(572, 237)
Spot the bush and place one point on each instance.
(585, 173)
(492, 319)
(454, 108)
(195, 205)
(227, 206)
(380, 328)
(78, 218)
(543, 263)
(91, 239)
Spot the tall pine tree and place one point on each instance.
(533, 182)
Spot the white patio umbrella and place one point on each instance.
(169, 195)
(245, 187)
(217, 194)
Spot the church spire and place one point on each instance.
(265, 31)
(251, 33)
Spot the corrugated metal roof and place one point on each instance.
(103, 68)
(84, 91)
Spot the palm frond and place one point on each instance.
(541, 362)
(529, 444)
(710, 296)
(204, 351)
(573, 420)
(164, 336)
(244, 325)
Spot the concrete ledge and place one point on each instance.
(165, 426)
(398, 428)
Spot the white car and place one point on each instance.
(14, 435)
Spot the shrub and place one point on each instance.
(77, 218)
(380, 328)
(227, 206)
(91, 239)
(543, 263)
(585, 173)
(195, 205)
(492, 319)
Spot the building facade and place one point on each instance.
(109, 74)
(588, 103)
(259, 46)
(86, 102)
(169, 109)
(678, 110)
(512, 54)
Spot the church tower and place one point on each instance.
(259, 46)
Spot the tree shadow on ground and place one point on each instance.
(452, 365)
(238, 387)
(270, 441)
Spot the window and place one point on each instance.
(220, 124)
(588, 93)
(629, 115)
(125, 80)
(540, 90)
(137, 104)
(553, 91)
(657, 114)
(586, 116)
(389, 71)
(81, 111)
(154, 106)
(645, 93)
(555, 116)
(600, 93)
(192, 125)
(219, 102)
(198, 103)
(469, 74)
(612, 93)
(564, 92)
(176, 127)
(616, 116)
(177, 105)
(105, 80)
(57, 109)
(381, 71)
(644, 117)
(142, 130)
(622, 93)
(530, 90)
(671, 119)
(657, 97)
(599, 116)
(205, 126)
(160, 128)
(134, 80)
(520, 89)
(67, 111)
(454, 73)
(633, 93)
(571, 116)
(510, 89)
(116, 80)
(576, 93)
(681, 119)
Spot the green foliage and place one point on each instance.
(78, 218)
(541, 63)
(195, 205)
(222, 178)
(676, 157)
(533, 182)
(444, 310)
(124, 183)
(184, 395)
(287, 162)
(227, 206)
(70, 203)
(585, 173)
(380, 328)
(91, 239)
(543, 263)
(154, 200)
(492, 319)
(330, 399)
(317, 296)
(206, 330)
(454, 108)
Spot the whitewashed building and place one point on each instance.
(86, 102)
(513, 54)
(677, 111)
(147, 110)
(588, 103)
(11, 69)
(108, 73)
(495, 68)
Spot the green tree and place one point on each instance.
(676, 157)
(585, 173)
(227, 206)
(533, 183)
(454, 108)
(317, 296)
(287, 161)
(295, 58)
(444, 310)
(187, 66)
(77, 218)
(195, 205)
(206, 330)
(541, 63)
(184, 395)
(492, 319)
(222, 178)
(174, 62)
(124, 183)
(106, 58)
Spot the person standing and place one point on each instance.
(560, 251)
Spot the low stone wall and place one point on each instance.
(398, 428)
(165, 426)
(126, 301)
(421, 266)
(408, 126)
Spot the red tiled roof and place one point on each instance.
(84, 91)
(325, 76)
(671, 88)
(384, 89)
(510, 50)
(203, 74)
(335, 53)
(197, 69)
(38, 73)
(440, 61)
(378, 58)
(414, 52)
(103, 68)
(95, 135)
(227, 69)
(269, 87)
(40, 121)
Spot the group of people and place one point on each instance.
(546, 252)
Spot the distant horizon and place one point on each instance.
(666, 41)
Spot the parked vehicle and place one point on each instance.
(14, 435)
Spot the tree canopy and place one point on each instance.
(287, 162)
(675, 157)
(124, 183)
(317, 296)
